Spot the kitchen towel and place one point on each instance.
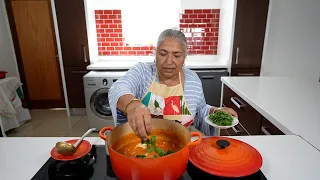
(8, 87)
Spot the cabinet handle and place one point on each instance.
(57, 57)
(85, 53)
(236, 130)
(79, 72)
(246, 74)
(244, 128)
(265, 131)
(237, 56)
(235, 101)
(207, 77)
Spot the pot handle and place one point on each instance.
(101, 132)
(196, 142)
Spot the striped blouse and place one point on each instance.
(137, 81)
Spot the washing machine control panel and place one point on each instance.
(99, 82)
(90, 82)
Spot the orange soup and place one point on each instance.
(160, 143)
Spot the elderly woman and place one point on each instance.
(162, 89)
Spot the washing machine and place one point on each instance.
(96, 89)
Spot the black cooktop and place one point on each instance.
(97, 165)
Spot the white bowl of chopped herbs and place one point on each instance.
(221, 120)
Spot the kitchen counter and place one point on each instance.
(125, 65)
(284, 157)
(290, 104)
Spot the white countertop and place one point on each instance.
(293, 105)
(284, 157)
(191, 64)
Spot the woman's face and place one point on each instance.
(170, 57)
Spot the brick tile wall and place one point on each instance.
(110, 37)
(201, 27)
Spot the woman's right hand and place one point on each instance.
(139, 118)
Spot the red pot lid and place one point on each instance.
(225, 157)
(83, 149)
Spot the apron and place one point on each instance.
(168, 102)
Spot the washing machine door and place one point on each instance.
(99, 103)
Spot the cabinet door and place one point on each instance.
(249, 118)
(224, 132)
(72, 32)
(267, 128)
(238, 130)
(211, 84)
(250, 25)
(245, 71)
(75, 87)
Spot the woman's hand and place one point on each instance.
(139, 118)
(227, 110)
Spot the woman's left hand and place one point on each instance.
(227, 110)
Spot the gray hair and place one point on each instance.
(173, 33)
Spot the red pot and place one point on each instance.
(166, 167)
(225, 157)
(3, 74)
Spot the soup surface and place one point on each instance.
(160, 143)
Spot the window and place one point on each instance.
(143, 24)
(134, 31)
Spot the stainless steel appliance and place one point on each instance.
(96, 89)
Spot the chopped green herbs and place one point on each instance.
(151, 146)
(145, 142)
(221, 118)
(141, 156)
(153, 140)
(160, 151)
(170, 152)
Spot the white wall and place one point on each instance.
(292, 44)
(7, 55)
(226, 29)
(56, 29)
